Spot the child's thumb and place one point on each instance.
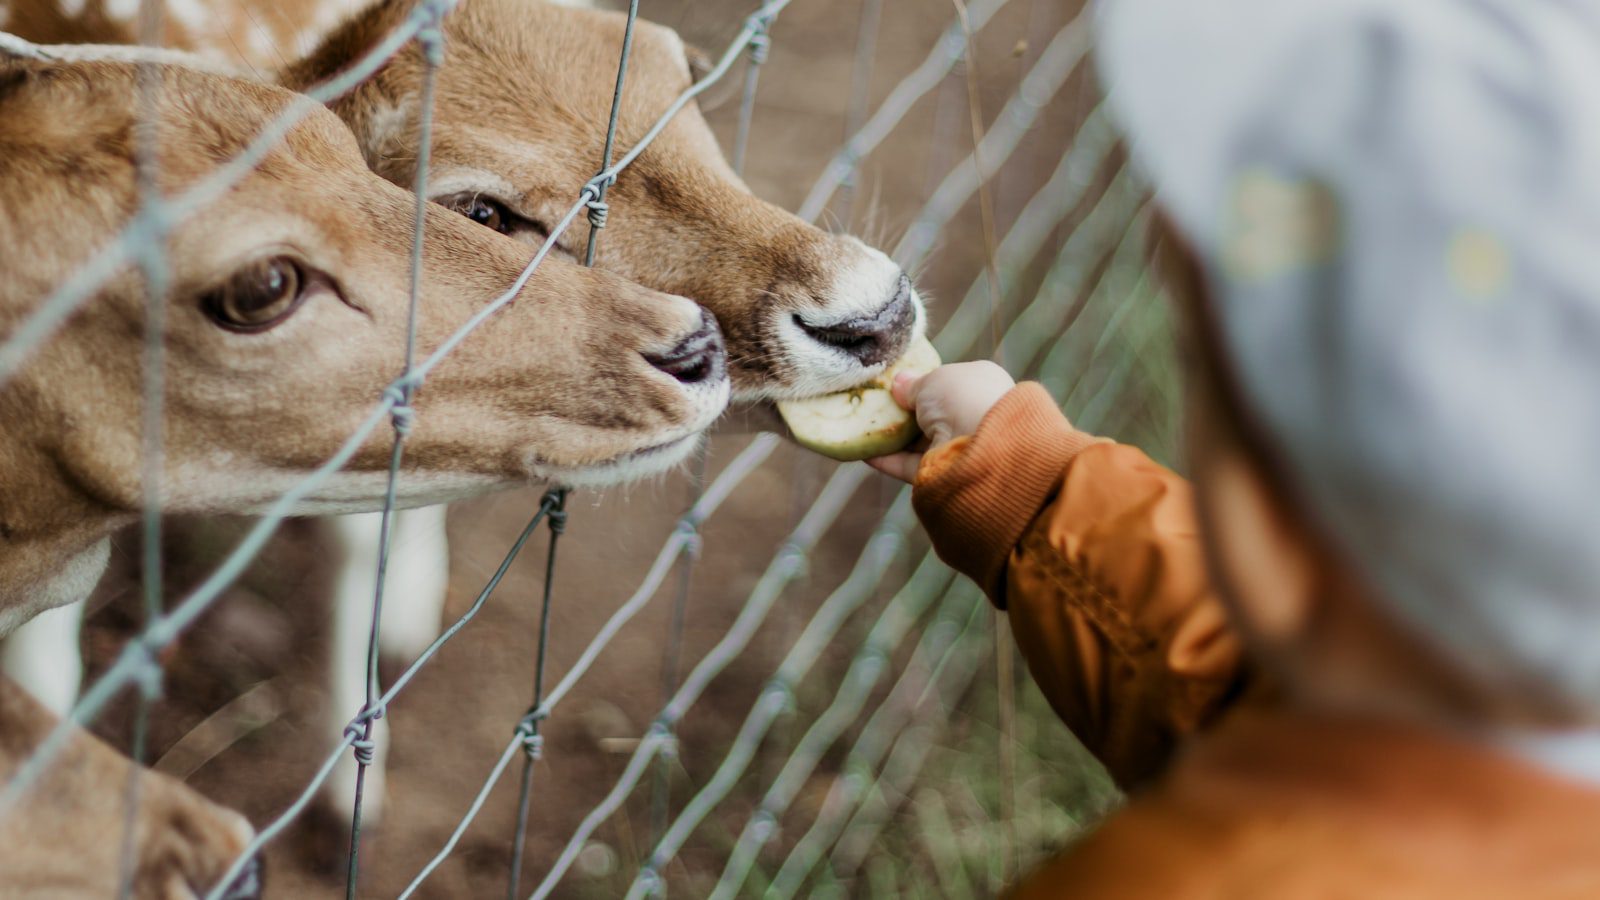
(906, 387)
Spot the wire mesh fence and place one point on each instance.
(1085, 330)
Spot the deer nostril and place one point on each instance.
(872, 339)
(698, 358)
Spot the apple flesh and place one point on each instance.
(863, 422)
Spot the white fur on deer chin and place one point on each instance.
(354, 492)
(636, 466)
(656, 459)
(351, 492)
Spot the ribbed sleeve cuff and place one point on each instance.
(976, 495)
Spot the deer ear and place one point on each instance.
(700, 62)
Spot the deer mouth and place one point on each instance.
(634, 465)
(832, 341)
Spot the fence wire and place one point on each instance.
(134, 663)
(155, 272)
(1088, 277)
(1043, 214)
(1061, 194)
(141, 243)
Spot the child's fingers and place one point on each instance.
(898, 465)
(906, 387)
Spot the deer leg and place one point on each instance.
(355, 541)
(43, 657)
(419, 580)
(414, 596)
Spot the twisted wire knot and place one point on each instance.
(557, 512)
(794, 559)
(149, 672)
(764, 826)
(661, 733)
(779, 688)
(356, 731)
(404, 419)
(363, 746)
(593, 196)
(650, 881)
(760, 46)
(760, 21)
(554, 504)
(528, 732)
(693, 543)
(431, 40)
(401, 413)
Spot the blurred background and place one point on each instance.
(937, 775)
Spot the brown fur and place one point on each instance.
(251, 35)
(523, 95)
(681, 221)
(522, 100)
(555, 384)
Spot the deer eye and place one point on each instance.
(491, 213)
(258, 296)
(485, 212)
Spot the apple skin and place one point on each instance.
(863, 422)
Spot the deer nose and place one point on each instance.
(872, 339)
(698, 358)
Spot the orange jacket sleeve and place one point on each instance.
(1093, 550)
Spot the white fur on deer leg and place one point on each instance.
(419, 581)
(44, 658)
(354, 540)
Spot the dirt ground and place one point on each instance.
(245, 693)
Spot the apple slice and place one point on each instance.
(863, 422)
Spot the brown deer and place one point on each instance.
(522, 102)
(285, 320)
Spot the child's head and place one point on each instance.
(1392, 211)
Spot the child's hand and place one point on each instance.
(949, 402)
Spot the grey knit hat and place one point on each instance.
(1397, 205)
